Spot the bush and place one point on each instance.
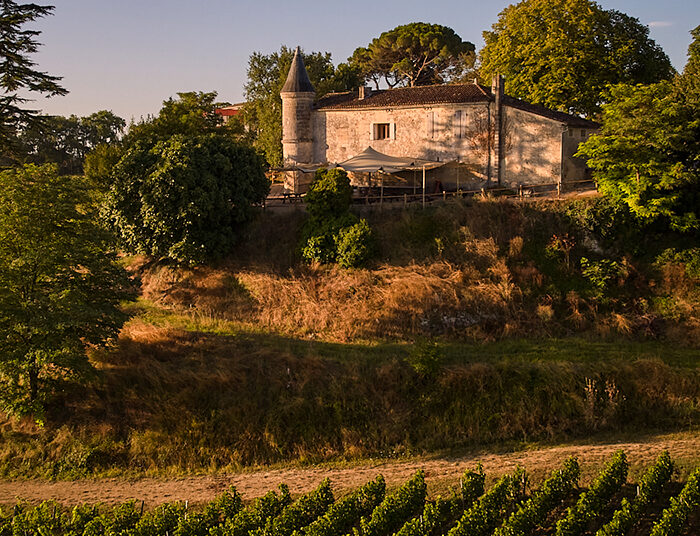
(332, 233)
(355, 245)
(329, 195)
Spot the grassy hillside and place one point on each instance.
(479, 324)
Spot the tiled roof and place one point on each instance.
(570, 120)
(439, 94)
(405, 96)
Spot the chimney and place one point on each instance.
(365, 92)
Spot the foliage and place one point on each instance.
(650, 487)
(355, 245)
(302, 512)
(414, 54)
(601, 273)
(18, 75)
(192, 113)
(66, 141)
(674, 517)
(436, 514)
(256, 515)
(332, 233)
(689, 258)
(390, 515)
(472, 485)
(534, 511)
(185, 198)
(426, 358)
(99, 164)
(271, 513)
(330, 195)
(266, 76)
(593, 501)
(60, 285)
(481, 519)
(562, 54)
(648, 154)
(342, 515)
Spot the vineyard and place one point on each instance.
(610, 506)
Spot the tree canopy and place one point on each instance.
(186, 197)
(17, 70)
(564, 53)
(67, 140)
(60, 285)
(414, 54)
(648, 152)
(266, 76)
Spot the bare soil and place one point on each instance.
(441, 473)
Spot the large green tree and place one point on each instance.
(648, 152)
(564, 53)
(18, 75)
(266, 76)
(186, 197)
(60, 285)
(414, 54)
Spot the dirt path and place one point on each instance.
(440, 474)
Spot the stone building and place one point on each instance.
(484, 137)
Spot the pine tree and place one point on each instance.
(17, 70)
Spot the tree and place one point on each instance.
(185, 197)
(17, 72)
(414, 54)
(67, 140)
(563, 54)
(689, 81)
(266, 76)
(648, 153)
(60, 285)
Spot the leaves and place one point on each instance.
(414, 54)
(647, 154)
(185, 198)
(17, 72)
(562, 54)
(60, 285)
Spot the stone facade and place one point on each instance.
(488, 138)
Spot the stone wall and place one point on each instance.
(537, 149)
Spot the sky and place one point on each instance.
(128, 56)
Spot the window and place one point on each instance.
(583, 133)
(382, 131)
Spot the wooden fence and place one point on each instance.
(378, 200)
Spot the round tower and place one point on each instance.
(297, 129)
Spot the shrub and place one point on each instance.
(329, 195)
(355, 245)
(332, 233)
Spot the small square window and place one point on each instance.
(382, 131)
(583, 133)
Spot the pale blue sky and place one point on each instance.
(130, 55)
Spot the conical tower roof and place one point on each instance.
(298, 79)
